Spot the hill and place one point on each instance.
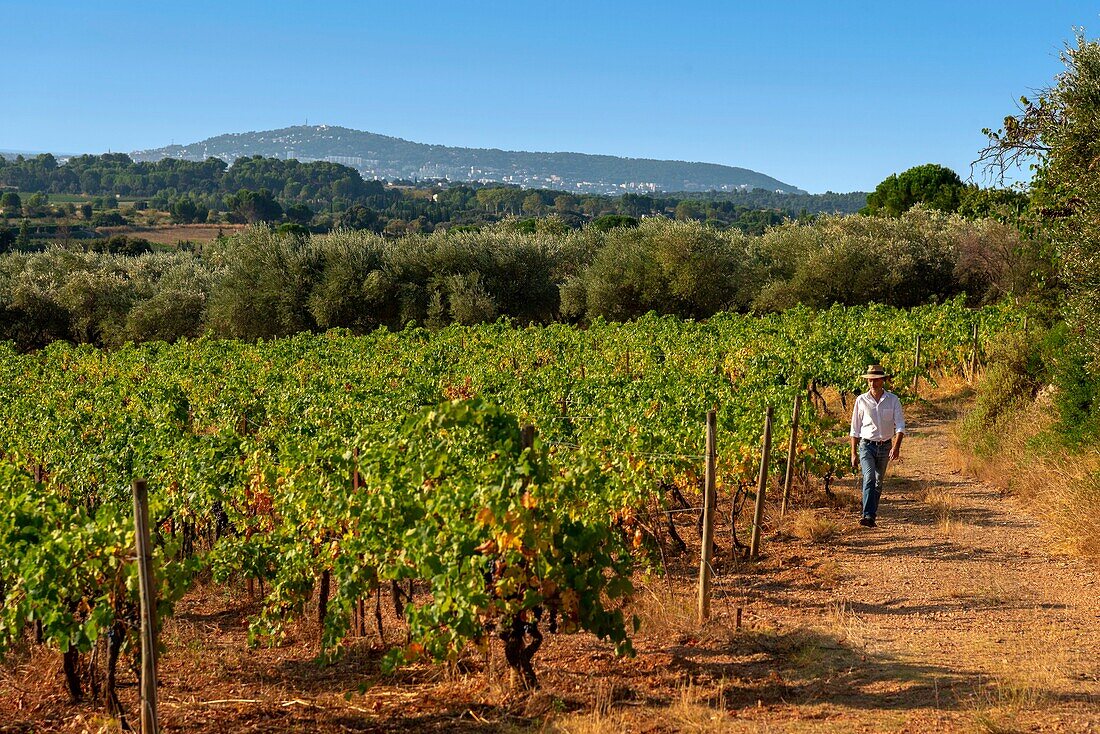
(381, 156)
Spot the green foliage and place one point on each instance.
(681, 268)
(11, 204)
(292, 229)
(358, 217)
(1078, 388)
(397, 456)
(252, 207)
(99, 298)
(23, 239)
(860, 259)
(1014, 373)
(184, 210)
(1018, 367)
(526, 226)
(932, 185)
(299, 214)
(325, 191)
(608, 222)
(67, 565)
(1005, 205)
(264, 291)
(1059, 132)
(120, 244)
(263, 284)
(109, 219)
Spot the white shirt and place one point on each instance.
(877, 420)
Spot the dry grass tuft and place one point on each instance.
(847, 496)
(812, 526)
(847, 625)
(1028, 672)
(601, 719)
(828, 572)
(944, 504)
(696, 709)
(693, 708)
(666, 614)
(988, 592)
(986, 722)
(808, 658)
(97, 724)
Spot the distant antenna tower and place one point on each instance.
(307, 122)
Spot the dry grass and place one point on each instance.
(662, 613)
(952, 392)
(828, 572)
(1028, 672)
(847, 496)
(988, 592)
(693, 708)
(846, 624)
(173, 233)
(1062, 487)
(97, 724)
(1033, 668)
(988, 722)
(944, 505)
(812, 526)
(601, 718)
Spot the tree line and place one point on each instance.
(266, 284)
(323, 196)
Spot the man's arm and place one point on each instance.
(853, 433)
(899, 432)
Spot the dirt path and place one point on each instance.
(952, 614)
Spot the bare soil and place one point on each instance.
(175, 233)
(952, 615)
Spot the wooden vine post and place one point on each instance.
(148, 609)
(527, 441)
(789, 478)
(916, 366)
(974, 354)
(706, 554)
(761, 485)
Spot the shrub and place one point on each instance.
(110, 218)
(608, 222)
(168, 315)
(353, 289)
(1078, 388)
(264, 290)
(682, 267)
(856, 260)
(120, 245)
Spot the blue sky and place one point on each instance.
(823, 95)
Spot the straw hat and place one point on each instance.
(876, 371)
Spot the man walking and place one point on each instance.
(878, 428)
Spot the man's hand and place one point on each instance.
(895, 452)
(855, 461)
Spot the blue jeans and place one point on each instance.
(873, 458)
